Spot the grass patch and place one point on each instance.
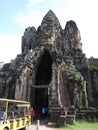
(81, 126)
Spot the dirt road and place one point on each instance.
(42, 126)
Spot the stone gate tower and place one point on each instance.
(51, 71)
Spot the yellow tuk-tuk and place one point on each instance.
(13, 114)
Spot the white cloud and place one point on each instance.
(10, 46)
(31, 2)
(84, 13)
(32, 19)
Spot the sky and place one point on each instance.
(16, 15)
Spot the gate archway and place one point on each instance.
(42, 80)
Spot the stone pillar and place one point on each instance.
(29, 85)
(59, 98)
(17, 89)
(54, 87)
(89, 88)
(23, 91)
(85, 92)
(80, 99)
(96, 80)
(55, 108)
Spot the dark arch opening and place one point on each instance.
(43, 77)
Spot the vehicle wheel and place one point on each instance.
(26, 126)
(5, 128)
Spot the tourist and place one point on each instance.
(49, 112)
(43, 112)
(31, 112)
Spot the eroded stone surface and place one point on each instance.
(74, 78)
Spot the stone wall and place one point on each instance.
(63, 45)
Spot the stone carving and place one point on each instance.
(49, 30)
(72, 35)
(73, 45)
(74, 83)
(1, 65)
(52, 55)
(28, 39)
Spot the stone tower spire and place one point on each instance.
(72, 36)
(49, 29)
(28, 39)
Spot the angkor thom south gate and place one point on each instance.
(52, 70)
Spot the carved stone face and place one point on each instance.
(70, 29)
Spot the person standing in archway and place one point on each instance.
(31, 112)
